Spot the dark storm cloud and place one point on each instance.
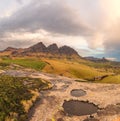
(112, 45)
(52, 16)
(112, 48)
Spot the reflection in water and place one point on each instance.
(79, 108)
(78, 92)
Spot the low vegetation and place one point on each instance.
(25, 62)
(17, 95)
(108, 66)
(111, 79)
(71, 68)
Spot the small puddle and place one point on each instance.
(79, 108)
(78, 92)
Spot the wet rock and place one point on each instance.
(110, 110)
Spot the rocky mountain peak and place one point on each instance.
(39, 47)
(53, 48)
(10, 49)
(67, 50)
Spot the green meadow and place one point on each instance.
(25, 62)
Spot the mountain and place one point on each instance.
(67, 51)
(10, 49)
(40, 49)
(91, 58)
(53, 49)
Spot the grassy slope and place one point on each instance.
(111, 79)
(72, 68)
(109, 67)
(113, 67)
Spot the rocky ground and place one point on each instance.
(49, 107)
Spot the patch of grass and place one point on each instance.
(111, 79)
(26, 62)
(4, 65)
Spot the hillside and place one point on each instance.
(65, 67)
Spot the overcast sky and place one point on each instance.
(92, 27)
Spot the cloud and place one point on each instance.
(54, 16)
(107, 34)
(111, 40)
(96, 40)
(20, 1)
(111, 59)
(13, 43)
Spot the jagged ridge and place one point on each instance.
(52, 49)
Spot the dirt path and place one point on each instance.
(49, 108)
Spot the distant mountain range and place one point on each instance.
(91, 58)
(41, 50)
(52, 50)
